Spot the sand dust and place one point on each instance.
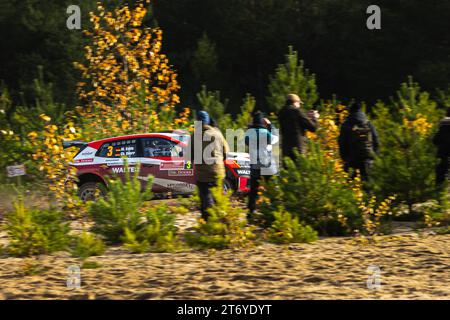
(412, 267)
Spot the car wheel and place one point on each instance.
(227, 186)
(89, 191)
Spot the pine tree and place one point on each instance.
(226, 226)
(120, 218)
(120, 209)
(204, 61)
(211, 103)
(87, 245)
(244, 118)
(326, 202)
(33, 231)
(292, 77)
(287, 229)
(406, 161)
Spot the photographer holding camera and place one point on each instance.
(293, 125)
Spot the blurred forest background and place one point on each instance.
(233, 45)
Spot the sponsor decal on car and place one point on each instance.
(122, 169)
(171, 165)
(84, 160)
(243, 172)
(113, 162)
(180, 173)
(175, 185)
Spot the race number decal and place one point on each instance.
(110, 151)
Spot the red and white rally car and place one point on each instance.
(156, 154)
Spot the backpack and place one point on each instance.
(362, 141)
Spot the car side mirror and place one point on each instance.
(180, 154)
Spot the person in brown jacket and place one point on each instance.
(293, 125)
(208, 151)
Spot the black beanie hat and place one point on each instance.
(355, 107)
(258, 119)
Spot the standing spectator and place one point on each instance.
(293, 125)
(442, 142)
(209, 166)
(262, 164)
(358, 142)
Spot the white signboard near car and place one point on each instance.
(16, 171)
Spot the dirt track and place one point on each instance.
(412, 267)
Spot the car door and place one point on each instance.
(114, 154)
(163, 159)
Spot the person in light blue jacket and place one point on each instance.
(259, 139)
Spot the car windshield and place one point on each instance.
(183, 138)
(157, 147)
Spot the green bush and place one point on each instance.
(313, 191)
(444, 203)
(184, 205)
(405, 167)
(244, 118)
(87, 245)
(121, 219)
(16, 121)
(210, 102)
(35, 231)
(120, 209)
(291, 77)
(287, 229)
(204, 60)
(436, 213)
(407, 158)
(156, 232)
(226, 226)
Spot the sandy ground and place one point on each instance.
(412, 267)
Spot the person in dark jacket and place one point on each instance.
(358, 142)
(259, 139)
(293, 125)
(442, 142)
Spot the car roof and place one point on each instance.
(170, 136)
